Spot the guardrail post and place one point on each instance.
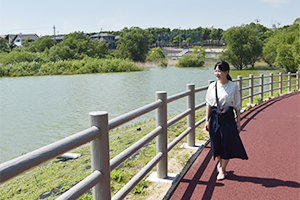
(297, 80)
(271, 85)
(191, 116)
(262, 86)
(251, 88)
(280, 83)
(162, 139)
(100, 155)
(240, 84)
(290, 82)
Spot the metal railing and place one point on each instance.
(98, 136)
(262, 83)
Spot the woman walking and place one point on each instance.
(222, 98)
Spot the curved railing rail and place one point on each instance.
(99, 129)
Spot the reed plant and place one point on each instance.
(67, 67)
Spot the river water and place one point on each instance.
(36, 111)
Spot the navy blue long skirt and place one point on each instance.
(224, 138)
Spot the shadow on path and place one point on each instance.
(193, 182)
(266, 182)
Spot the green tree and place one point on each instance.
(133, 44)
(255, 46)
(156, 54)
(269, 51)
(3, 45)
(262, 32)
(286, 58)
(11, 46)
(189, 40)
(26, 42)
(205, 33)
(40, 45)
(43, 43)
(61, 52)
(216, 34)
(77, 46)
(283, 47)
(176, 39)
(243, 46)
(100, 48)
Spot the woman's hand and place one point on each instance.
(207, 125)
(208, 111)
(238, 126)
(238, 119)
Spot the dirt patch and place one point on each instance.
(148, 64)
(172, 62)
(153, 64)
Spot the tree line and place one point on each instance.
(245, 45)
(250, 43)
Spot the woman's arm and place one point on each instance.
(208, 111)
(238, 119)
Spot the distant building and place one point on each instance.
(107, 37)
(19, 38)
(58, 39)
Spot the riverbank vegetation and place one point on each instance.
(245, 45)
(67, 67)
(157, 55)
(194, 59)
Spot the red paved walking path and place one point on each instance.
(270, 133)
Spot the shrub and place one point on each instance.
(194, 59)
(67, 67)
(190, 60)
(22, 56)
(156, 54)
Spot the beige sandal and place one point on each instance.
(221, 177)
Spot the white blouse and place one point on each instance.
(228, 95)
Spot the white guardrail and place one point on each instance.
(98, 134)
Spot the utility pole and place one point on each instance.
(54, 29)
(100, 33)
(257, 20)
(278, 24)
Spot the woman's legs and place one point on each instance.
(219, 165)
(222, 168)
(224, 164)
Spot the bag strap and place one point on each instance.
(218, 105)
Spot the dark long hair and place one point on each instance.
(223, 66)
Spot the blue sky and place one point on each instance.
(39, 16)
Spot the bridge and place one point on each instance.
(270, 132)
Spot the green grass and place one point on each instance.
(51, 179)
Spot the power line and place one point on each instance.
(25, 29)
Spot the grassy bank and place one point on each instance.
(67, 67)
(56, 176)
